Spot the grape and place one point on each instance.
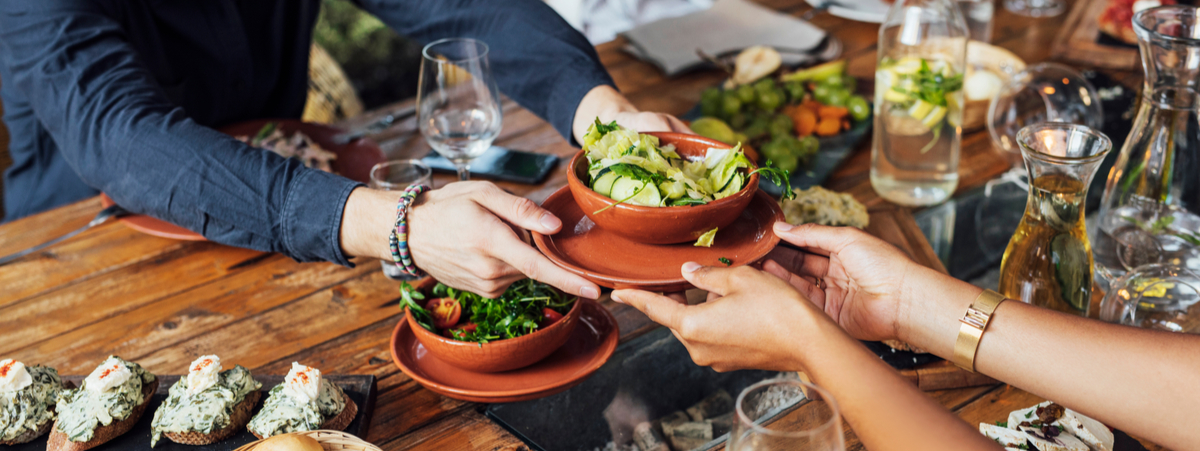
(757, 127)
(738, 120)
(764, 85)
(746, 94)
(770, 100)
(809, 145)
(859, 108)
(710, 102)
(834, 81)
(821, 93)
(795, 90)
(837, 97)
(850, 83)
(781, 125)
(730, 104)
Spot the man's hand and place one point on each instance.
(608, 105)
(470, 235)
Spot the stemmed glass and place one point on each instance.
(785, 414)
(458, 105)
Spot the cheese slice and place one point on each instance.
(1008, 438)
(1095, 434)
(1019, 416)
(1062, 442)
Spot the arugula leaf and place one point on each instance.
(264, 132)
(726, 261)
(686, 201)
(407, 296)
(636, 173)
(1002, 424)
(604, 129)
(780, 177)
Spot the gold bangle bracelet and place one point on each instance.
(974, 323)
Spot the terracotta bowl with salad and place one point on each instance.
(660, 188)
(523, 326)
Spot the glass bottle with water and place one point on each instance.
(918, 102)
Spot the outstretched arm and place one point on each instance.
(756, 321)
(1126, 377)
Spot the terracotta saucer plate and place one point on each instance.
(615, 262)
(354, 161)
(590, 345)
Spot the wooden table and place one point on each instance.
(161, 302)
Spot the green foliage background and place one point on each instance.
(382, 65)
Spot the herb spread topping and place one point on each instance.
(109, 394)
(207, 410)
(283, 412)
(25, 409)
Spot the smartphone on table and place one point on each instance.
(500, 163)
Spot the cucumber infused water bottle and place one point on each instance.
(918, 102)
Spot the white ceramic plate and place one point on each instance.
(871, 11)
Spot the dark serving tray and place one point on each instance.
(361, 390)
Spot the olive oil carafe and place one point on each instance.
(1048, 261)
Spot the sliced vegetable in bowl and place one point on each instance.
(524, 308)
(634, 168)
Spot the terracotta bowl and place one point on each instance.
(499, 355)
(660, 225)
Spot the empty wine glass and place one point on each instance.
(785, 414)
(458, 105)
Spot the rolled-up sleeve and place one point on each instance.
(537, 58)
(116, 129)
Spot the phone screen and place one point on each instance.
(500, 163)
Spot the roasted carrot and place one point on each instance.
(828, 127)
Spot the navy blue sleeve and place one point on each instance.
(537, 58)
(117, 130)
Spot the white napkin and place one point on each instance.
(730, 25)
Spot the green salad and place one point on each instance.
(634, 168)
(525, 307)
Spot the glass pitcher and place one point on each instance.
(1048, 261)
(918, 102)
(1152, 195)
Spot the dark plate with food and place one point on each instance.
(806, 121)
(588, 345)
(311, 143)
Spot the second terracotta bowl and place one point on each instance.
(660, 225)
(500, 355)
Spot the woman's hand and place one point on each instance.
(605, 103)
(755, 320)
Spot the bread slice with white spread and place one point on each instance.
(1061, 441)
(206, 406)
(27, 397)
(1008, 438)
(109, 403)
(305, 401)
(1095, 434)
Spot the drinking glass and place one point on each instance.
(458, 105)
(978, 16)
(1035, 8)
(1162, 296)
(785, 414)
(397, 175)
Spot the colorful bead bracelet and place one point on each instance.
(398, 240)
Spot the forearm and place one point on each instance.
(1125, 377)
(886, 411)
(603, 103)
(366, 223)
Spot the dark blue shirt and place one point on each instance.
(122, 96)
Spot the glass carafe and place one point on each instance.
(1152, 195)
(1048, 261)
(918, 102)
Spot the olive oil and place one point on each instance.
(1048, 262)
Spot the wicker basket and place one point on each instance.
(330, 95)
(329, 440)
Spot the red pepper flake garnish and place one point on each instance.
(106, 372)
(6, 368)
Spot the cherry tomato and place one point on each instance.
(464, 328)
(445, 312)
(549, 316)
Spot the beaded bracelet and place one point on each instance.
(398, 240)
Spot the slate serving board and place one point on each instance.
(361, 390)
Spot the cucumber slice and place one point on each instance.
(1072, 269)
(635, 192)
(735, 184)
(604, 183)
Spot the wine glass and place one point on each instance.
(458, 105)
(785, 414)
